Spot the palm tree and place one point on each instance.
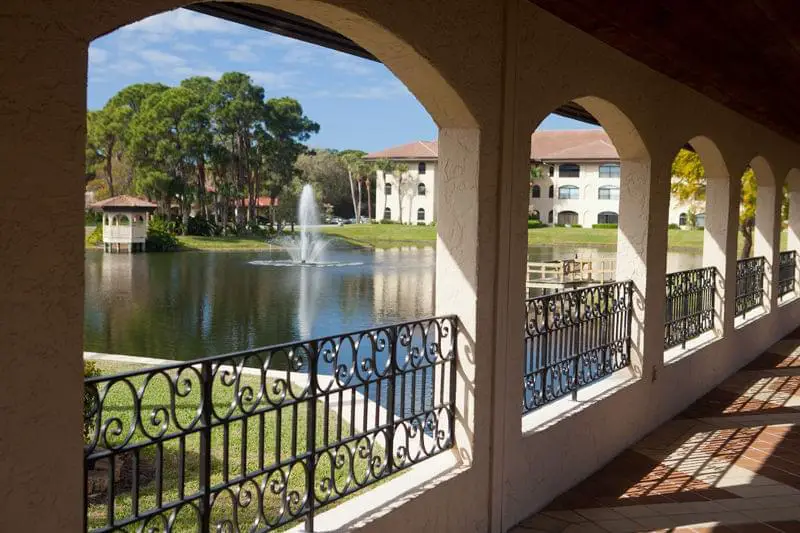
(400, 171)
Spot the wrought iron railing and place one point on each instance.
(689, 307)
(574, 338)
(255, 440)
(787, 272)
(749, 285)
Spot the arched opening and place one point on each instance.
(124, 220)
(683, 219)
(536, 192)
(421, 189)
(607, 217)
(534, 215)
(568, 218)
(604, 166)
(455, 260)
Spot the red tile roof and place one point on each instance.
(418, 150)
(262, 201)
(552, 145)
(123, 201)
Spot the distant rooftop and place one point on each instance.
(123, 201)
(553, 145)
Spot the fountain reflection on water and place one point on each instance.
(307, 248)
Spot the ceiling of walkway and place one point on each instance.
(744, 54)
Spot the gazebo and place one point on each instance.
(125, 220)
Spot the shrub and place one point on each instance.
(387, 221)
(421, 224)
(92, 218)
(202, 227)
(90, 370)
(159, 237)
(604, 226)
(95, 238)
(674, 226)
(535, 223)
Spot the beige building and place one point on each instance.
(578, 185)
(409, 196)
(488, 72)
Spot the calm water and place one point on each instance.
(194, 304)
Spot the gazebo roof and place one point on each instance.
(123, 201)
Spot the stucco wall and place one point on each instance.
(488, 72)
(407, 193)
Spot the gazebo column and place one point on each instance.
(766, 238)
(793, 237)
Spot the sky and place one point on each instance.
(358, 103)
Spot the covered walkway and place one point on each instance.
(730, 462)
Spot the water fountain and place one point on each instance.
(308, 247)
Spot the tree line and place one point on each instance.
(214, 147)
(214, 144)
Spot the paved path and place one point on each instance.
(730, 462)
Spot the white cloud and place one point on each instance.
(191, 71)
(299, 55)
(351, 65)
(272, 80)
(161, 59)
(97, 56)
(126, 66)
(241, 53)
(186, 47)
(181, 20)
(382, 91)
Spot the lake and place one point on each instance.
(195, 304)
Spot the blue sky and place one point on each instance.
(358, 103)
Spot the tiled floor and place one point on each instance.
(730, 462)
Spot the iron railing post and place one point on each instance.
(205, 445)
(453, 377)
(390, 392)
(311, 432)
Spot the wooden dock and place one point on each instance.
(568, 274)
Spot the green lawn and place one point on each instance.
(383, 235)
(222, 243)
(277, 438)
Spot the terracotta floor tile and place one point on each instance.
(680, 462)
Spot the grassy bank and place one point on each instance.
(240, 440)
(221, 244)
(383, 235)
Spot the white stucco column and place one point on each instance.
(766, 238)
(720, 234)
(42, 136)
(793, 237)
(642, 257)
(458, 261)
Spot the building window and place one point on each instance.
(568, 192)
(536, 192)
(700, 220)
(569, 170)
(608, 217)
(420, 215)
(387, 189)
(550, 217)
(609, 170)
(568, 218)
(421, 189)
(421, 168)
(551, 171)
(608, 192)
(682, 219)
(387, 214)
(550, 192)
(535, 215)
